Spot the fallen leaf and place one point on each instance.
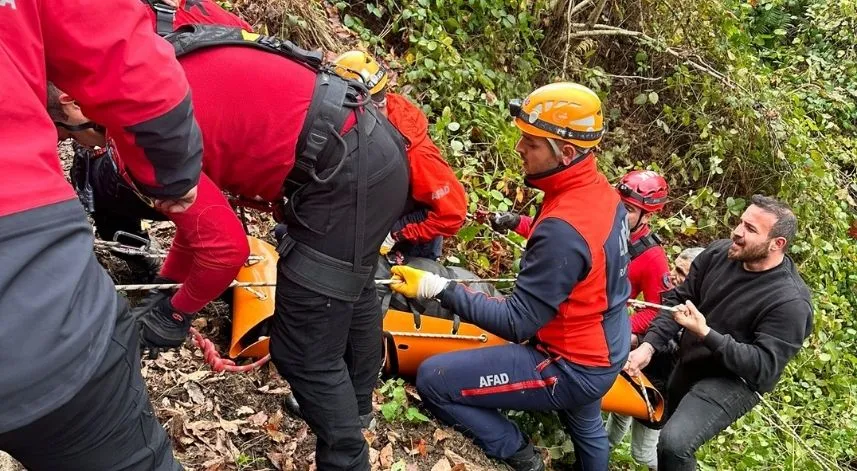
(196, 376)
(302, 434)
(244, 410)
(194, 392)
(453, 456)
(267, 390)
(374, 458)
(441, 435)
(258, 419)
(217, 464)
(442, 465)
(200, 427)
(386, 456)
(418, 448)
(273, 427)
(369, 436)
(231, 426)
(459, 467)
(393, 437)
(276, 459)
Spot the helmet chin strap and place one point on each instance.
(556, 150)
(639, 221)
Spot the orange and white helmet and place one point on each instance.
(566, 111)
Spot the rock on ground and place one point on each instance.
(9, 464)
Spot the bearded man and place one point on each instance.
(757, 314)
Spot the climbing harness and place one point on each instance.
(644, 243)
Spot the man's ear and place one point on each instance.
(569, 152)
(66, 99)
(778, 243)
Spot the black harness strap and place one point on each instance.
(644, 243)
(190, 38)
(322, 273)
(165, 16)
(361, 183)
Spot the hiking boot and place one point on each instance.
(292, 406)
(526, 459)
(367, 421)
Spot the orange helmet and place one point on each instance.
(564, 110)
(359, 65)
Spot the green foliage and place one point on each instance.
(396, 408)
(729, 99)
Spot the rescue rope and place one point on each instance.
(648, 304)
(247, 284)
(218, 363)
(480, 338)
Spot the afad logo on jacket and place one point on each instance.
(8, 3)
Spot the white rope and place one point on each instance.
(648, 304)
(245, 284)
(479, 338)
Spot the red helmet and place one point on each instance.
(644, 189)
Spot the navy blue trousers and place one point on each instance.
(465, 389)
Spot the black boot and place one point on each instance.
(367, 421)
(526, 459)
(292, 406)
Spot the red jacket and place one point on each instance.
(144, 107)
(587, 329)
(649, 274)
(572, 288)
(433, 183)
(250, 134)
(206, 12)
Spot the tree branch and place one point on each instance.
(607, 30)
(578, 7)
(593, 17)
(568, 37)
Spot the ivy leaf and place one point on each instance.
(414, 415)
(453, 126)
(390, 410)
(653, 98)
(641, 99)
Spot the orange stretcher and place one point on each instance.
(408, 339)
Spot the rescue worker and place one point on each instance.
(71, 390)
(746, 312)
(437, 206)
(644, 193)
(114, 206)
(326, 331)
(569, 299)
